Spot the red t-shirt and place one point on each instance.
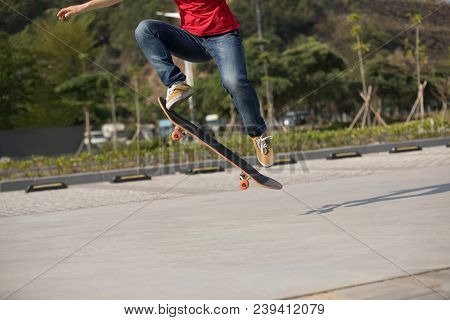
(206, 17)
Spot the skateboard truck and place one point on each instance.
(177, 133)
(244, 183)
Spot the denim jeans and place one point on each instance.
(159, 41)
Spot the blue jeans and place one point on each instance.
(159, 41)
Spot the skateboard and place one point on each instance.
(183, 126)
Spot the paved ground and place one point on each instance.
(391, 289)
(356, 228)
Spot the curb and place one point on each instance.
(106, 176)
(371, 148)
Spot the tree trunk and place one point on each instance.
(232, 122)
(440, 94)
(267, 86)
(361, 66)
(419, 85)
(112, 99)
(87, 122)
(137, 134)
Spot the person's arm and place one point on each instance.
(65, 13)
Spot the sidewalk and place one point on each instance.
(336, 224)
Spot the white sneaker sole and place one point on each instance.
(176, 101)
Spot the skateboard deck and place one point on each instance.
(248, 171)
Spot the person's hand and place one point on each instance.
(66, 13)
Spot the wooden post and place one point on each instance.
(87, 121)
(232, 122)
(444, 105)
(418, 106)
(137, 133)
(364, 110)
(361, 65)
(87, 129)
(440, 90)
(265, 67)
(188, 67)
(419, 85)
(444, 109)
(378, 116)
(112, 99)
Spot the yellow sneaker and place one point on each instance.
(178, 93)
(264, 150)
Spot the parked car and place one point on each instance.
(148, 131)
(109, 128)
(214, 123)
(294, 118)
(97, 138)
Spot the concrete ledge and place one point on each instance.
(371, 148)
(105, 176)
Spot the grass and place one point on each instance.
(159, 152)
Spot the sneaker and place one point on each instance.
(178, 93)
(264, 150)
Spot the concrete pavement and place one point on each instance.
(337, 230)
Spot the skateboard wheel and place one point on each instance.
(244, 184)
(177, 134)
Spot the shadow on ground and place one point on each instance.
(396, 195)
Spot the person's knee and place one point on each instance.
(145, 28)
(234, 83)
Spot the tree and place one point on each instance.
(419, 52)
(392, 80)
(61, 49)
(440, 88)
(210, 95)
(284, 18)
(85, 91)
(58, 53)
(12, 22)
(360, 47)
(117, 27)
(43, 62)
(264, 67)
(18, 76)
(308, 66)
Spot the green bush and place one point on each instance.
(159, 152)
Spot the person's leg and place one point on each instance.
(159, 41)
(228, 52)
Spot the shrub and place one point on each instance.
(159, 152)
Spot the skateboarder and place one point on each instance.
(209, 31)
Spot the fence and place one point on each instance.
(20, 143)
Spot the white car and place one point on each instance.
(108, 130)
(97, 138)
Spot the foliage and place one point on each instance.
(310, 65)
(307, 47)
(61, 52)
(416, 20)
(86, 88)
(392, 80)
(52, 57)
(157, 152)
(12, 22)
(210, 93)
(18, 77)
(282, 18)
